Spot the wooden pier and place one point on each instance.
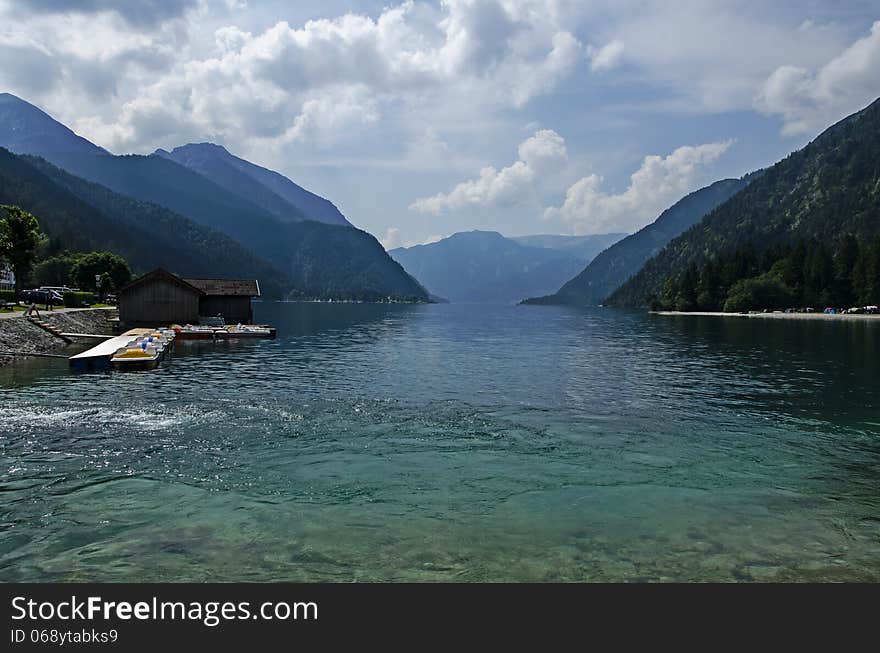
(98, 357)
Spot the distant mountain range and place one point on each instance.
(486, 267)
(303, 237)
(83, 216)
(820, 195)
(625, 258)
(267, 189)
(582, 247)
(201, 211)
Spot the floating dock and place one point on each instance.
(190, 332)
(98, 357)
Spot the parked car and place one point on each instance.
(38, 296)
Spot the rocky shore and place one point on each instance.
(17, 334)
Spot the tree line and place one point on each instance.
(36, 258)
(807, 274)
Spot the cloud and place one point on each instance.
(391, 239)
(323, 119)
(809, 101)
(136, 12)
(606, 57)
(543, 150)
(712, 56)
(539, 154)
(656, 185)
(330, 80)
(76, 64)
(27, 65)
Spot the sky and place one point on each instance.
(419, 119)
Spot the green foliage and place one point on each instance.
(19, 237)
(766, 290)
(55, 270)
(806, 274)
(828, 193)
(112, 268)
(7, 295)
(75, 299)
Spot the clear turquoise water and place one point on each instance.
(455, 443)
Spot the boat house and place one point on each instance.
(227, 298)
(160, 297)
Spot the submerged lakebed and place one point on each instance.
(455, 443)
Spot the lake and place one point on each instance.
(455, 443)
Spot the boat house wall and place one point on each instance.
(158, 300)
(235, 310)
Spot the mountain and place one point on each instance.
(826, 194)
(317, 259)
(584, 247)
(619, 262)
(26, 129)
(267, 189)
(484, 266)
(81, 216)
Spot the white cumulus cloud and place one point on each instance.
(654, 187)
(324, 81)
(538, 155)
(809, 100)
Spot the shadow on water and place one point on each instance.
(825, 370)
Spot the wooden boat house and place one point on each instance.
(160, 298)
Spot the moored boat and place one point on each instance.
(145, 351)
(208, 332)
(246, 331)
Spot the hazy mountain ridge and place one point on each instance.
(267, 189)
(25, 129)
(486, 267)
(317, 259)
(586, 247)
(611, 268)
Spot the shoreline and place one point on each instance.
(838, 317)
(17, 334)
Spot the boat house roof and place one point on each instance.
(161, 274)
(202, 287)
(227, 287)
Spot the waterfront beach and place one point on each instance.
(827, 317)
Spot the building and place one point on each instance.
(160, 297)
(7, 277)
(229, 298)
